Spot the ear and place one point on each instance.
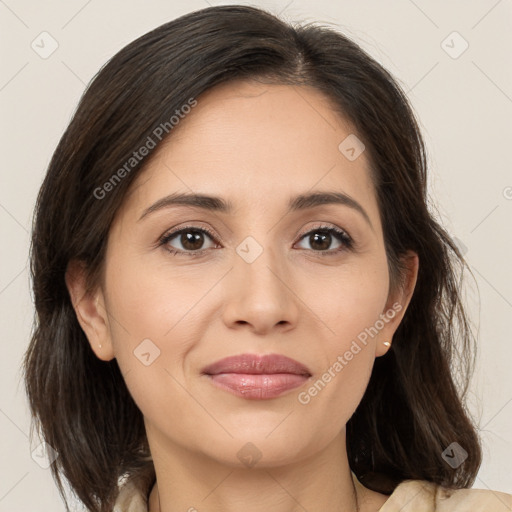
(90, 310)
(397, 303)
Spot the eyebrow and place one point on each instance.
(218, 204)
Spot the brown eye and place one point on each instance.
(320, 240)
(191, 239)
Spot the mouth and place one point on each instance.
(257, 377)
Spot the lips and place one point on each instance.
(257, 377)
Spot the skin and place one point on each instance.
(255, 145)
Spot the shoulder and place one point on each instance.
(423, 496)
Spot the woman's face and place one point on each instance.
(269, 276)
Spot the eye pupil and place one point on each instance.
(192, 240)
(322, 238)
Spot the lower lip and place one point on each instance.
(258, 386)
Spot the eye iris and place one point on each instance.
(192, 240)
(323, 238)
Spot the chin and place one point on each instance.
(256, 448)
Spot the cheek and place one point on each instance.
(335, 392)
(149, 301)
(350, 304)
(350, 312)
(157, 318)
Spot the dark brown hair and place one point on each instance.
(413, 407)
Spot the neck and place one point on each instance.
(187, 480)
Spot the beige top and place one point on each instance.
(409, 496)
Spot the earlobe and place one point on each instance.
(397, 304)
(90, 310)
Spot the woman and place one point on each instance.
(242, 299)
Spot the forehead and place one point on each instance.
(257, 145)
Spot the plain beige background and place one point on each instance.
(463, 98)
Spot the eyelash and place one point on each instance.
(346, 241)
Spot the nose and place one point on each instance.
(260, 294)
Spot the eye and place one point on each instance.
(321, 238)
(190, 240)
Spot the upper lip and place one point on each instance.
(257, 364)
